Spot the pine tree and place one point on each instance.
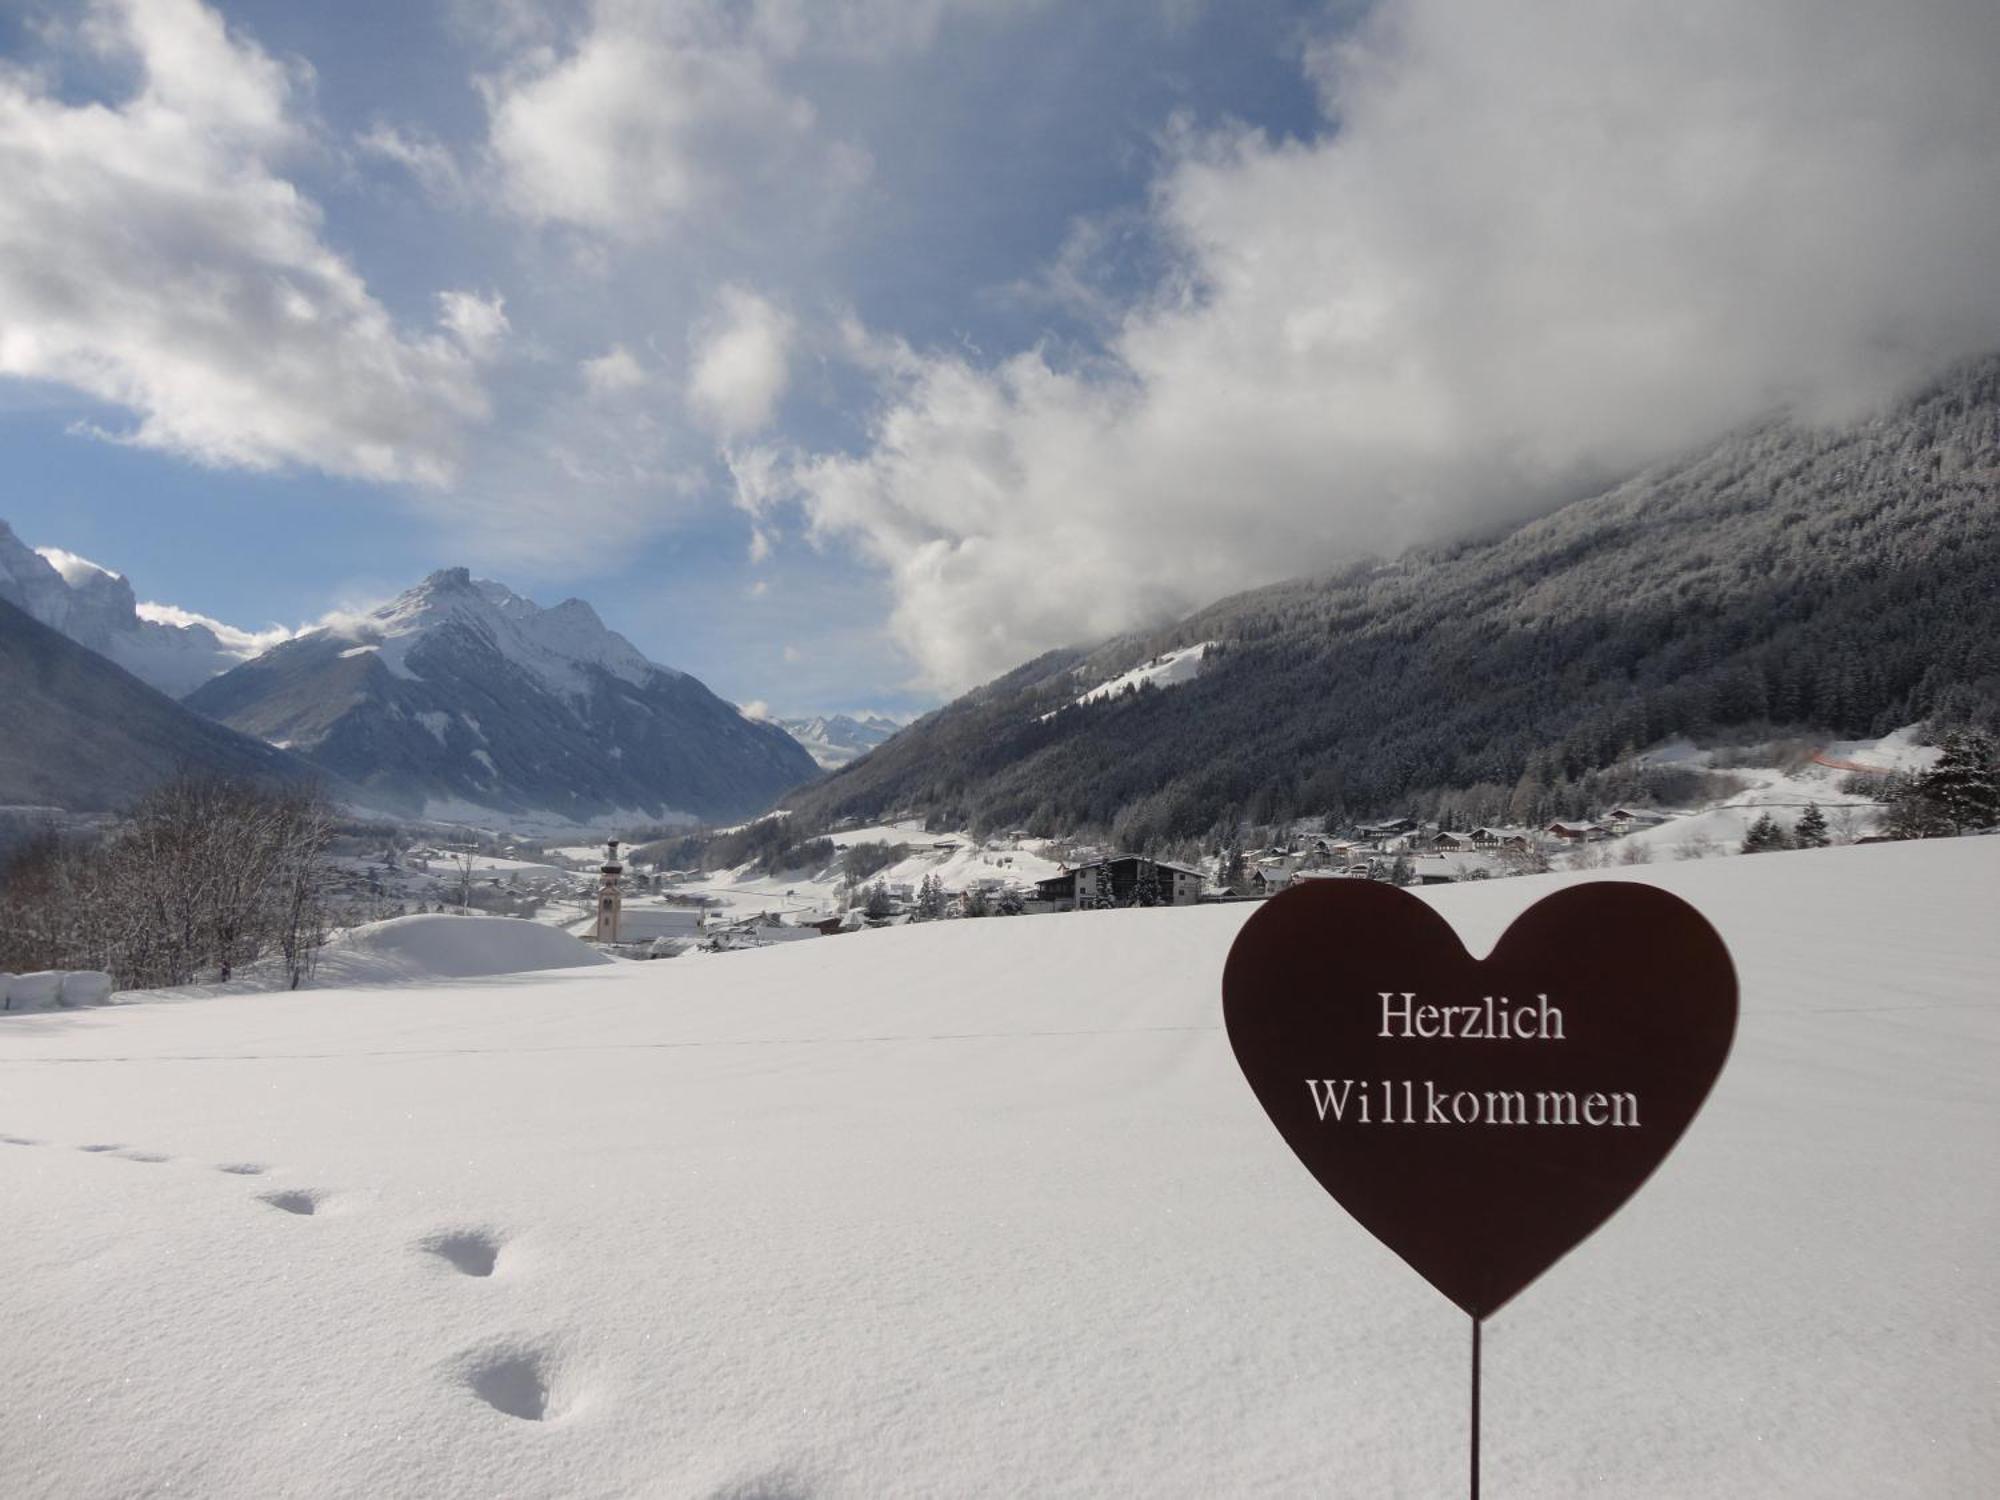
(1764, 836)
(1148, 891)
(1964, 785)
(930, 900)
(1810, 831)
(1107, 894)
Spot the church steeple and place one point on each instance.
(610, 899)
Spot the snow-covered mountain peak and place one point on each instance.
(835, 739)
(171, 649)
(557, 646)
(460, 699)
(76, 571)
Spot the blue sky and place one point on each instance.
(847, 352)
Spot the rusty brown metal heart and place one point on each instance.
(1486, 1124)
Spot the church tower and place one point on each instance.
(610, 900)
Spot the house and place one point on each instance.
(1388, 829)
(1632, 819)
(1432, 869)
(1576, 833)
(1117, 881)
(1067, 890)
(1442, 869)
(1503, 838)
(1452, 843)
(1279, 861)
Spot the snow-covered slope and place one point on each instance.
(835, 739)
(1784, 792)
(462, 699)
(1168, 670)
(164, 647)
(433, 948)
(982, 1208)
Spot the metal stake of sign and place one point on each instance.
(1475, 1409)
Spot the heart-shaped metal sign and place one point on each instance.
(1479, 1117)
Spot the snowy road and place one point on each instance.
(981, 1208)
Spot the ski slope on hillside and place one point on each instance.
(1165, 671)
(982, 1208)
(1784, 793)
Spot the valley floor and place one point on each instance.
(982, 1208)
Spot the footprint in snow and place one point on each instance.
(519, 1379)
(99, 1150)
(471, 1252)
(304, 1201)
(150, 1157)
(17, 1140)
(764, 1487)
(243, 1169)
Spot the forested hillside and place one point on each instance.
(81, 733)
(1829, 581)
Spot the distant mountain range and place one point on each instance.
(462, 699)
(835, 739)
(458, 700)
(1839, 580)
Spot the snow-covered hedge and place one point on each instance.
(53, 989)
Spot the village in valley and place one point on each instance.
(634, 899)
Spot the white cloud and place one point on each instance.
(478, 323)
(238, 642)
(650, 112)
(742, 364)
(152, 256)
(613, 372)
(425, 158)
(74, 569)
(653, 110)
(1546, 244)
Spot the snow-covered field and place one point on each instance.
(982, 1208)
(956, 859)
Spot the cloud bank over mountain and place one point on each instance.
(1532, 250)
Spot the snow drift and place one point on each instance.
(406, 950)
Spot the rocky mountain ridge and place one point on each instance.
(461, 698)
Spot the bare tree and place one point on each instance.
(300, 888)
(461, 865)
(1699, 847)
(202, 877)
